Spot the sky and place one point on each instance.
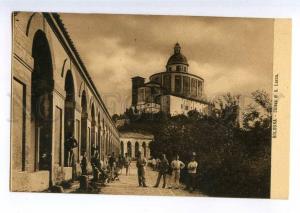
(231, 54)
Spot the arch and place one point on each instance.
(129, 149)
(34, 24)
(136, 149)
(93, 112)
(42, 101)
(144, 149)
(84, 116)
(73, 74)
(98, 143)
(93, 134)
(69, 114)
(91, 100)
(106, 140)
(29, 23)
(63, 68)
(81, 88)
(122, 149)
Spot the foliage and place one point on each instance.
(259, 115)
(233, 161)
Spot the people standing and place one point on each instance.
(192, 171)
(112, 165)
(70, 144)
(127, 161)
(83, 164)
(95, 165)
(163, 168)
(176, 166)
(140, 164)
(73, 164)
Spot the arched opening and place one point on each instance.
(122, 148)
(84, 116)
(136, 149)
(93, 136)
(106, 140)
(103, 140)
(129, 150)
(110, 143)
(42, 103)
(99, 135)
(69, 113)
(144, 149)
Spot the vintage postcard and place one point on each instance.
(150, 105)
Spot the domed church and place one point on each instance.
(174, 91)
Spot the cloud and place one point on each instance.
(231, 54)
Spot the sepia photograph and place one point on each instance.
(158, 105)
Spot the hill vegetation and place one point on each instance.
(233, 161)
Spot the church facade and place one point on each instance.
(174, 91)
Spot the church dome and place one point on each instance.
(177, 57)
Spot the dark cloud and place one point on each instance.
(231, 54)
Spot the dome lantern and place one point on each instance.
(177, 48)
(177, 62)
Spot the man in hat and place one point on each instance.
(192, 171)
(163, 168)
(140, 164)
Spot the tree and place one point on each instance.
(258, 115)
(226, 109)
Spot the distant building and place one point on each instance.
(132, 142)
(174, 91)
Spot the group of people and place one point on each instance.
(110, 169)
(169, 172)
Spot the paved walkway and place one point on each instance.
(128, 185)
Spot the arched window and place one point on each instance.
(42, 104)
(129, 151)
(136, 149)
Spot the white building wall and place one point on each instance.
(178, 105)
(133, 141)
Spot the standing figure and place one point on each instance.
(163, 168)
(176, 166)
(73, 164)
(112, 165)
(70, 144)
(140, 164)
(127, 161)
(192, 170)
(95, 165)
(83, 163)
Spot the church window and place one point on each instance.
(199, 88)
(178, 83)
(167, 83)
(186, 85)
(194, 87)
